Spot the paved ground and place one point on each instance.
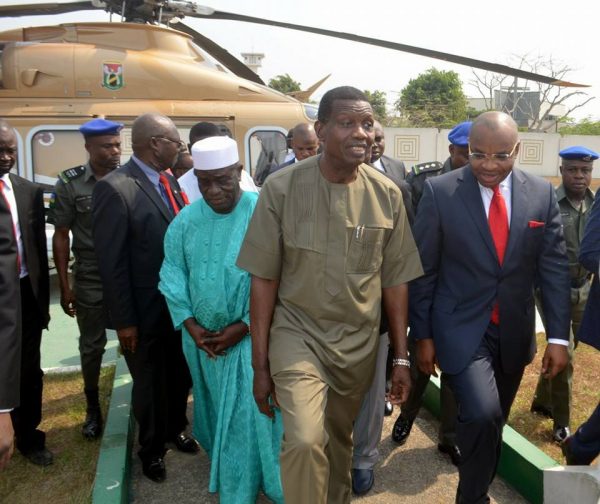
(414, 474)
(60, 342)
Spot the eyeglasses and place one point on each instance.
(179, 143)
(498, 157)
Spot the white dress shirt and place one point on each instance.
(9, 194)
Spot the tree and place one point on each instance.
(434, 99)
(534, 105)
(378, 101)
(284, 84)
(585, 127)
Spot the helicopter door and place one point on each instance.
(265, 147)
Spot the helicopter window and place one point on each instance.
(267, 149)
(53, 151)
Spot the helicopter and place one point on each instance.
(54, 78)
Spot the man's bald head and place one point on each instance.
(494, 121)
(155, 140)
(304, 141)
(494, 145)
(8, 147)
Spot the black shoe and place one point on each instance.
(362, 481)
(401, 430)
(42, 457)
(185, 443)
(541, 410)
(154, 469)
(389, 408)
(92, 427)
(560, 433)
(452, 450)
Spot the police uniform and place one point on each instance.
(553, 397)
(459, 136)
(71, 207)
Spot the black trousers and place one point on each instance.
(161, 385)
(27, 417)
(484, 394)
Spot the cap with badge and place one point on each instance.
(214, 153)
(579, 152)
(459, 135)
(98, 127)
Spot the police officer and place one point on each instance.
(553, 397)
(459, 156)
(71, 211)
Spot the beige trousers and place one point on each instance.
(316, 453)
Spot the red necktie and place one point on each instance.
(498, 221)
(165, 183)
(14, 228)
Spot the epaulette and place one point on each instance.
(429, 167)
(72, 173)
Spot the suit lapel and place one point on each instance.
(468, 189)
(518, 212)
(176, 190)
(146, 186)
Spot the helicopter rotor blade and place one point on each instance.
(452, 58)
(45, 9)
(219, 53)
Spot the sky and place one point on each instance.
(564, 31)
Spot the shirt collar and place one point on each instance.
(561, 194)
(152, 175)
(7, 181)
(89, 173)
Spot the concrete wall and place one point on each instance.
(538, 153)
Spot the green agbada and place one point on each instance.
(199, 279)
(332, 247)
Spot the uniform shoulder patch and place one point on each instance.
(72, 173)
(429, 167)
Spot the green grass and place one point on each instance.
(70, 479)
(586, 376)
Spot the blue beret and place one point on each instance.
(97, 127)
(459, 135)
(578, 152)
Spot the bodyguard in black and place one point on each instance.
(26, 202)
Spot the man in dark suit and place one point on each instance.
(486, 234)
(132, 207)
(379, 160)
(584, 446)
(26, 202)
(304, 144)
(10, 336)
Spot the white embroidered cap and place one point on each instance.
(214, 153)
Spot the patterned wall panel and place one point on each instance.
(531, 152)
(406, 147)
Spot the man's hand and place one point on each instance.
(128, 338)
(201, 336)
(555, 359)
(7, 439)
(400, 384)
(67, 301)
(264, 392)
(426, 356)
(228, 337)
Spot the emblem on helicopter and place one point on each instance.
(112, 75)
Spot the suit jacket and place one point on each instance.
(10, 337)
(453, 301)
(393, 167)
(130, 220)
(589, 257)
(30, 207)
